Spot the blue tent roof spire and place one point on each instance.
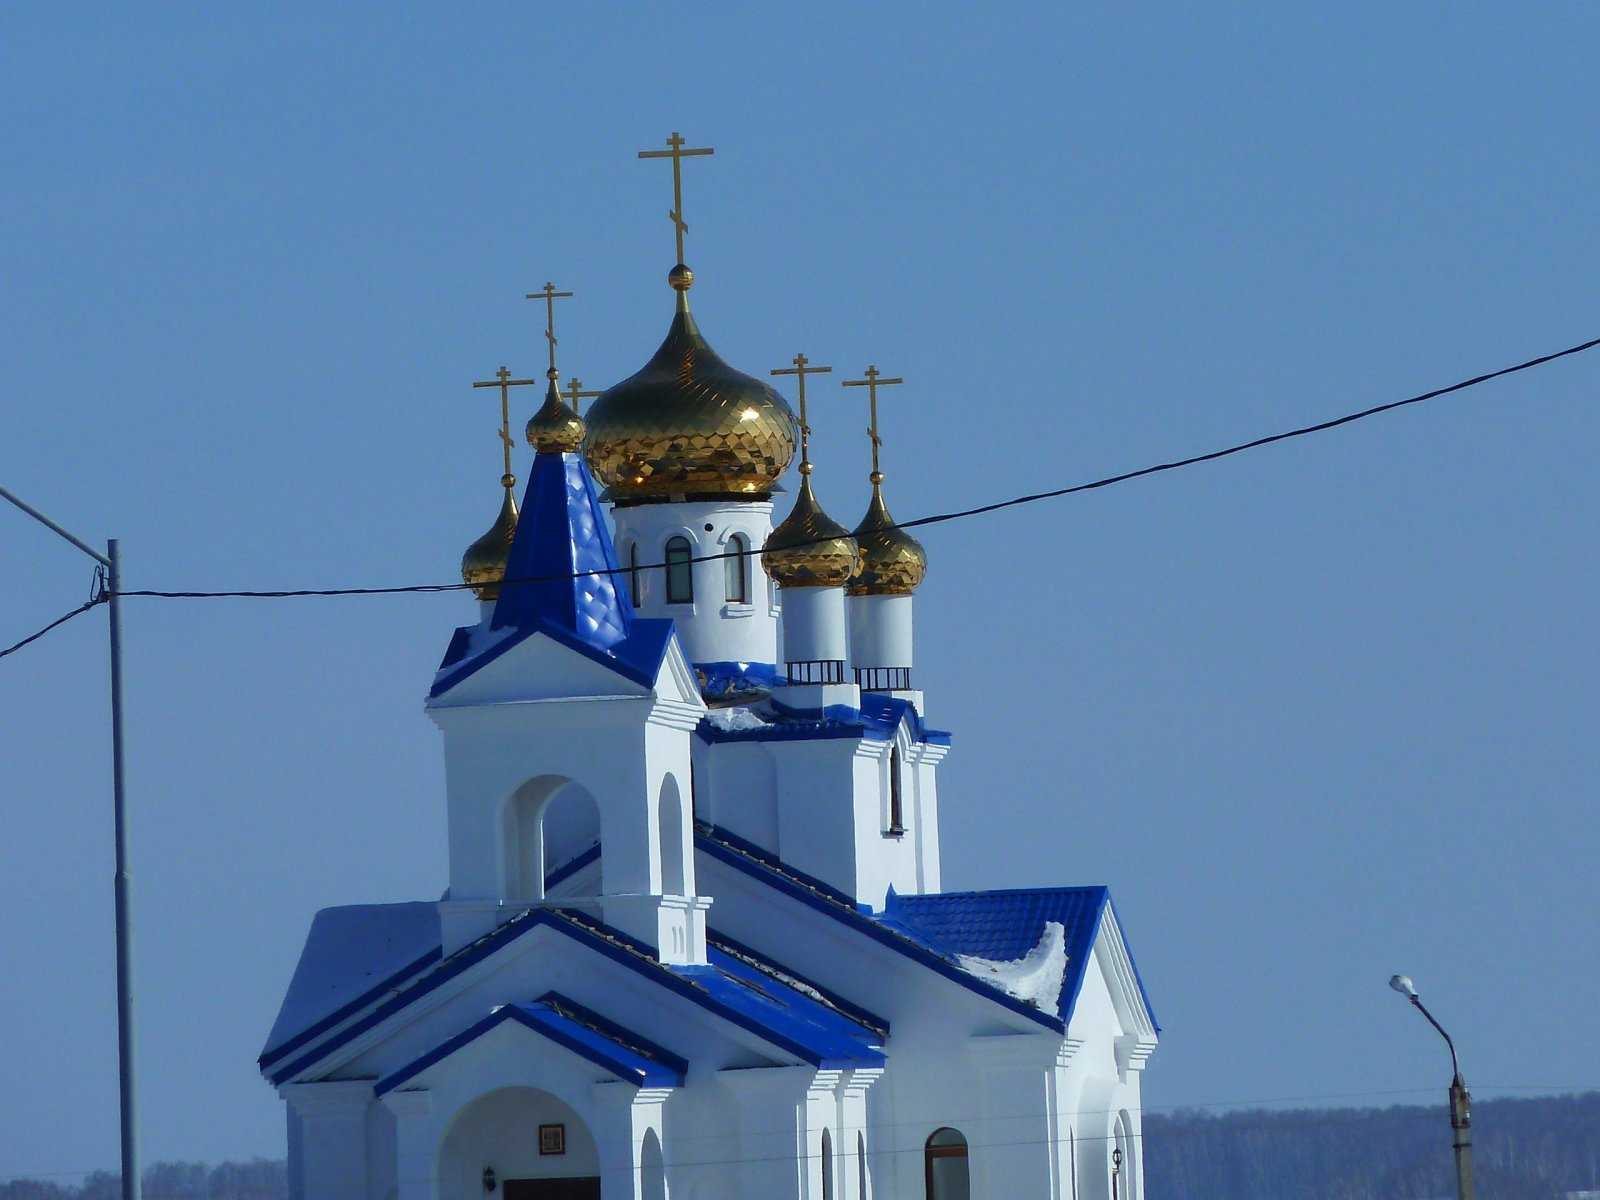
(562, 533)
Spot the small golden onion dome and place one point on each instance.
(893, 562)
(810, 548)
(484, 564)
(555, 428)
(689, 425)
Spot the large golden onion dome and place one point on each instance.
(688, 425)
(893, 562)
(555, 428)
(810, 548)
(483, 566)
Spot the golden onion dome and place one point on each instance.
(893, 562)
(688, 425)
(555, 428)
(810, 548)
(483, 566)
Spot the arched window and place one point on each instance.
(864, 1190)
(669, 832)
(634, 592)
(1124, 1168)
(944, 1161)
(736, 570)
(827, 1166)
(680, 571)
(897, 813)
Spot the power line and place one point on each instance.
(59, 621)
(935, 519)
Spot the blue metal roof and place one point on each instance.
(562, 534)
(877, 719)
(629, 1057)
(1004, 925)
(755, 1000)
(779, 1013)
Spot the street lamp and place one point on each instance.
(132, 1187)
(1460, 1100)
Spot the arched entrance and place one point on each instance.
(537, 1147)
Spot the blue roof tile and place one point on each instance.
(1004, 925)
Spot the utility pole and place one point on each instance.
(111, 563)
(1460, 1098)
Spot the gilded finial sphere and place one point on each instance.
(681, 278)
(483, 566)
(810, 548)
(555, 428)
(893, 562)
(689, 425)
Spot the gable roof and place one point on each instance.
(562, 581)
(823, 898)
(629, 1057)
(353, 955)
(1004, 925)
(763, 1003)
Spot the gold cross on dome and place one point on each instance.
(502, 380)
(549, 295)
(802, 367)
(575, 393)
(677, 154)
(872, 383)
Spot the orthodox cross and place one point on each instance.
(502, 380)
(575, 393)
(549, 295)
(872, 383)
(677, 154)
(802, 367)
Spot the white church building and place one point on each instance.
(693, 942)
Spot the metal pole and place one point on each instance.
(1460, 1112)
(132, 1184)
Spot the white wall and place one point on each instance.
(713, 628)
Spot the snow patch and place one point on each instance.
(1035, 977)
(733, 720)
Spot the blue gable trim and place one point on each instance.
(802, 1039)
(827, 901)
(554, 1020)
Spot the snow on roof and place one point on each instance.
(1036, 977)
(878, 719)
(352, 954)
(1005, 926)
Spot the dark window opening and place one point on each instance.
(736, 570)
(680, 571)
(633, 574)
(944, 1161)
(897, 823)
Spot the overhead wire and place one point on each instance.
(934, 519)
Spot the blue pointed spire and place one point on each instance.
(561, 533)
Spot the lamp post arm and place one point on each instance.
(1455, 1065)
(54, 528)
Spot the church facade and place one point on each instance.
(693, 942)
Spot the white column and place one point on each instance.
(333, 1135)
(851, 1121)
(624, 1117)
(417, 1136)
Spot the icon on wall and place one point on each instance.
(552, 1139)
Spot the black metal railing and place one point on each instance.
(816, 670)
(883, 679)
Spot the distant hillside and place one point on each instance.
(1522, 1150)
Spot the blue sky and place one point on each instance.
(1317, 714)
